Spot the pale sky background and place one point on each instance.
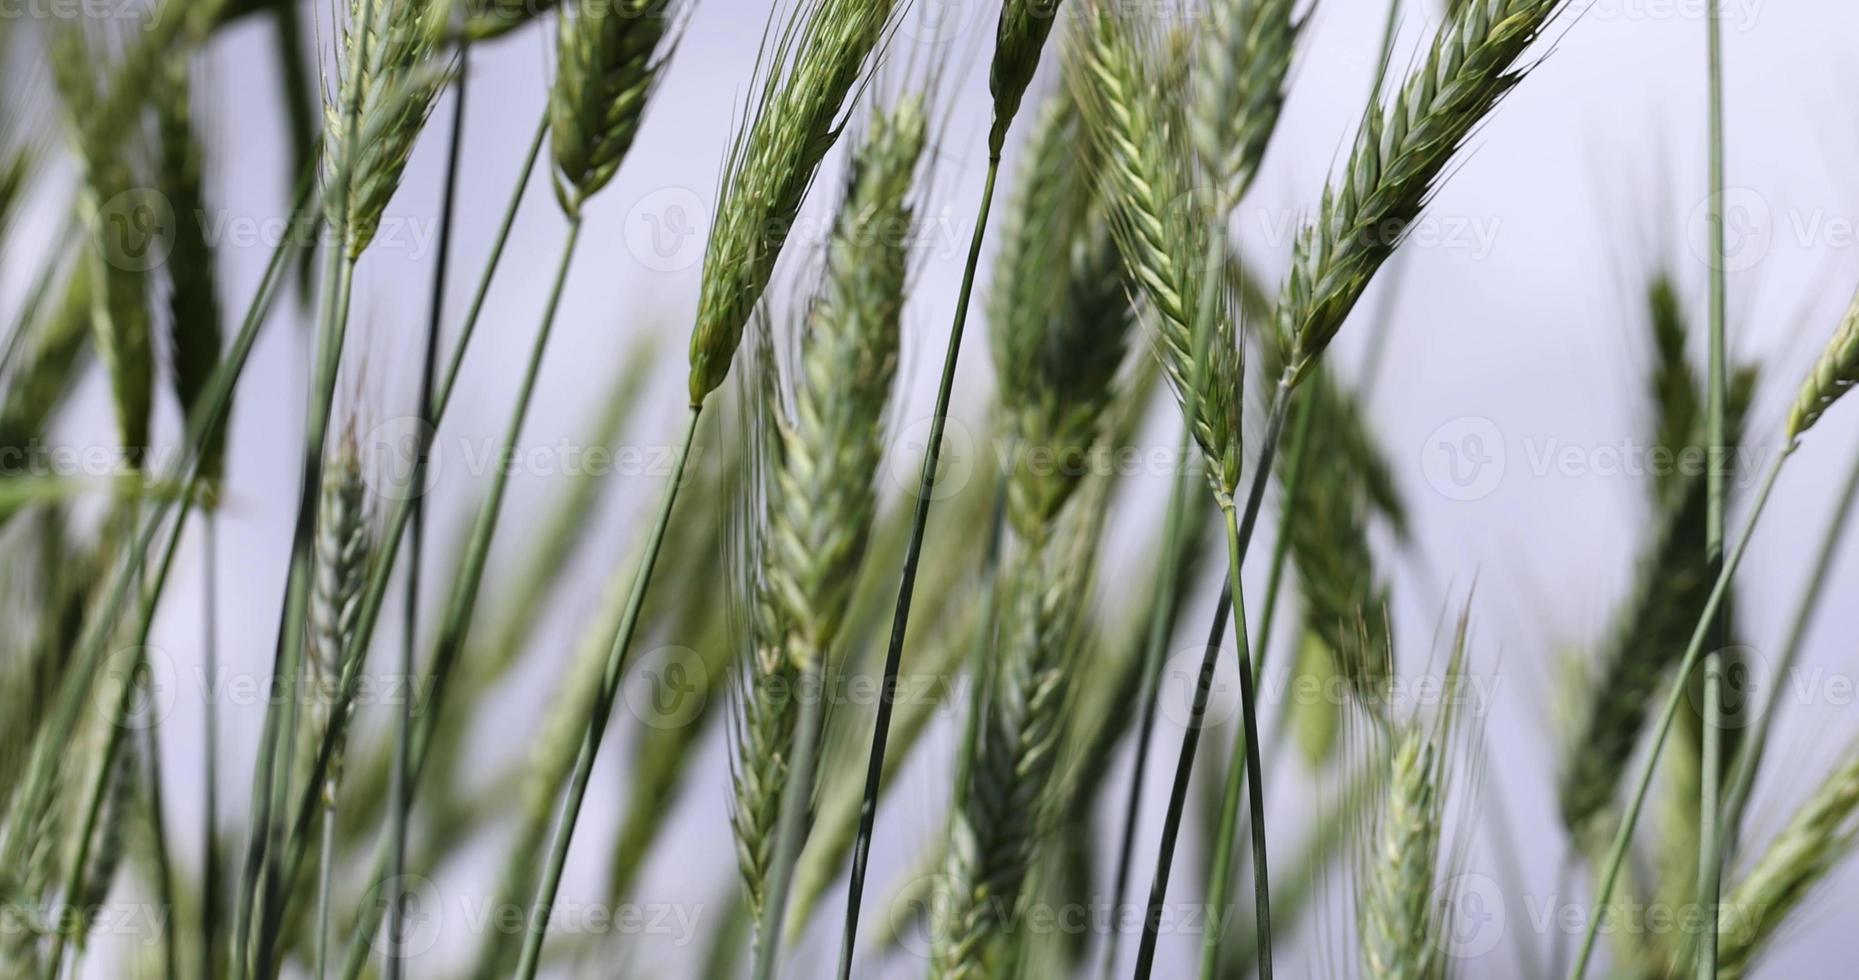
(1516, 336)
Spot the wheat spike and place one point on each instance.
(193, 300)
(816, 482)
(1237, 86)
(995, 838)
(1060, 318)
(610, 53)
(1820, 835)
(1400, 154)
(1835, 372)
(794, 121)
(394, 93)
(1169, 238)
(1396, 919)
(1019, 37)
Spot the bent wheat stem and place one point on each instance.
(913, 552)
(536, 921)
(1624, 835)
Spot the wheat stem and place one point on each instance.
(1710, 825)
(1161, 626)
(1624, 834)
(893, 657)
(1750, 750)
(209, 716)
(551, 880)
(401, 795)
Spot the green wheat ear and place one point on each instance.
(792, 121)
(611, 53)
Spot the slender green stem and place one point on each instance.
(209, 715)
(1221, 875)
(119, 722)
(1749, 752)
(271, 784)
(1710, 825)
(455, 626)
(75, 691)
(401, 794)
(1623, 837)
(913, 552)
(791, 829)
(158, 834)
(325, 880)
(375, 593)
(1197, 710)
(1161, 626)
(537, 919)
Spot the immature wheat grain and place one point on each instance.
(193, 300)
(1820, 835)
(1396, 919)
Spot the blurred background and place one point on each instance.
(1510, 401)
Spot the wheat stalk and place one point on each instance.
(610, 54)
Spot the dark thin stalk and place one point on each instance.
(537, 919)
(913, 552)
(1161, 627)
(1171, 828)
(158, 832)
(401, 795)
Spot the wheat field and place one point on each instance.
(869, 488)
